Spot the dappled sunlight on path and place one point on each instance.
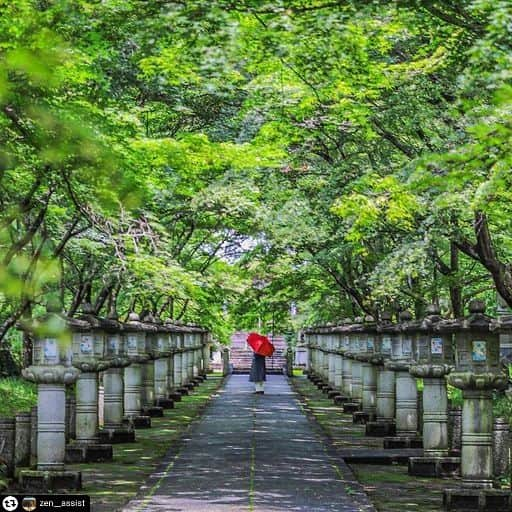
(251, 453)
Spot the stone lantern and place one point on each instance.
(148, 369)
(180, 361)
(115, 430)
(314, 345)
(403, 350)
(160, 349)
(188, 358)
(434, 361)
(51, 371)
(384, 424)
(174, 334)
(337, 351)
(346, 364)
(135, 338)
(207, 342)
(89, 356)
(357, 340)
(477, 372)
(201, 353)
(370, 359)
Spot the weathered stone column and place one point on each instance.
(501, 448)
(148, 370)
(178, 364)
(51, 374)
(161, 350)
(136, 351)
(384, 425)
(357, 343)
(338, 367)
(370, 359)
(207, 341)
(347, 364)
(115, 430)
(172, 390)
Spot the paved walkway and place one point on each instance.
(252, 453)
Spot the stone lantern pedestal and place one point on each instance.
(88, 357)
(478, 374)
(406, 391)
(436, 460)
(357, 345)
(115, 429)
(51, 474)
(135, 339)
(434, 357)
(51, 372)
(370, 360)
(161, 350)
(384, 424)
(148, 371)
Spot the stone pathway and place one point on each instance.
(252, 453)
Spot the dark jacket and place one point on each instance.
(258, 371)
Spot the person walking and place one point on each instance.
(258, 373)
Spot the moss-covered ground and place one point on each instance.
(111, 485)
(389, 487)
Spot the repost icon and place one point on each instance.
(10, 503)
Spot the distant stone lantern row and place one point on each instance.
(146, 366)
(373, 370)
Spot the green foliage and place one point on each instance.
(17, 396)
(230, 165)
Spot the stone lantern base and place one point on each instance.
(165, 403)
(47, 481)
(341, 399)
(333, 394)
(117, 435)
(351, 407)
(153, 411)
(399, 442)
(491, 500)
(82, 452)
(380, 428)
(175, 396)
(138, 421)
(363, 417)
(434, 466)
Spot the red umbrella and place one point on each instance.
(260, 344)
